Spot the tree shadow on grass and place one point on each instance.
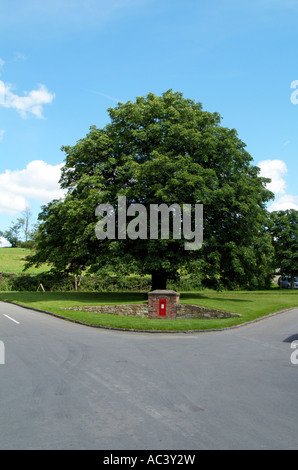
(87, 297)
(185, 296)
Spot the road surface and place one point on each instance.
(68, 386)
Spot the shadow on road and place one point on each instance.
(290, 339)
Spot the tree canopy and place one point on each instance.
(161, 150)
(284, 231)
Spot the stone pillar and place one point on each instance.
(163, 304)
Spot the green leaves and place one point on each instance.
(160, 150)
(283, 226)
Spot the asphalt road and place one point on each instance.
(68, 386)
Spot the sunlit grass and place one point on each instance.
(12, 260)
(250, 305)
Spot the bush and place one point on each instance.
(29, 244)
(30, 282)
(55, 282)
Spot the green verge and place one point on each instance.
(250, 305)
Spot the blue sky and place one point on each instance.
(63, 63)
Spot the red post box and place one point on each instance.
(163, 304)
(162, 308)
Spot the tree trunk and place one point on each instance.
(77, 282)
(159, 280)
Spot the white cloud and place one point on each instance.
(2, 132)
(39, 181)
(284, 202)
(1, 63)
(31, 103)
(4, 243)
(19, 57)
(276, 171)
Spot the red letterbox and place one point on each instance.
(162, 308)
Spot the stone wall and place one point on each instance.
(195, 311)
(142, 311)
(129, 310)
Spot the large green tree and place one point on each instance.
(284, 231)
(161, 150)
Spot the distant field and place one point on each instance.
(12, 260)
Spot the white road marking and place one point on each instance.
(12, 319)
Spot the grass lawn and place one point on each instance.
(12, 260)
(251, 305)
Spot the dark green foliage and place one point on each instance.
(55, 282)
(283, 227)
(161, 150)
